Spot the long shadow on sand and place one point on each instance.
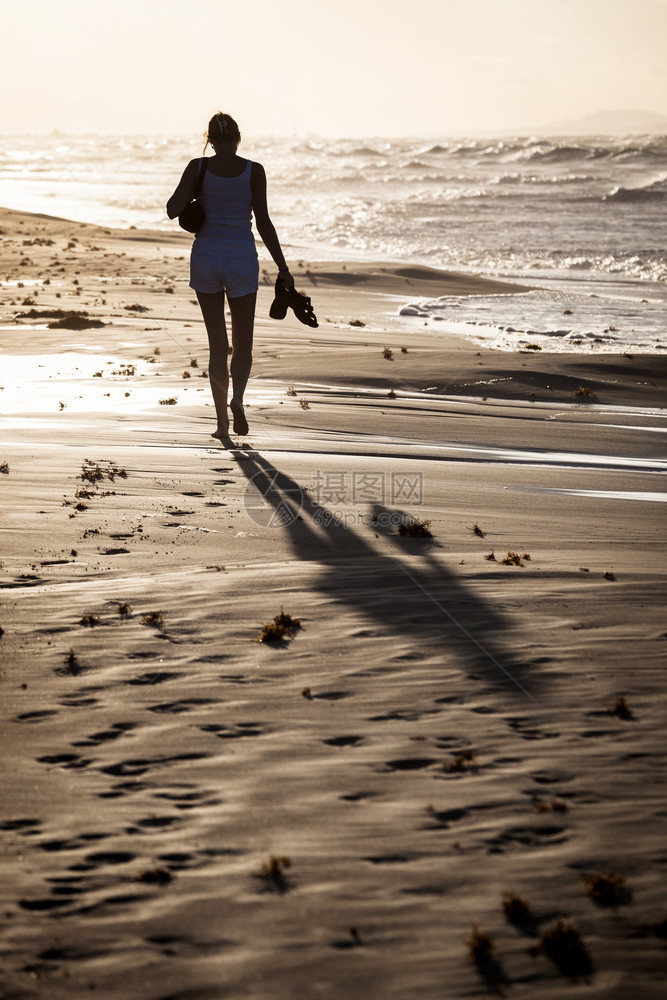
(409, 591)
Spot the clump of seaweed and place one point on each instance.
(621, 709)
(273, 875)
(517, 911)
(155, 876)
(514, 559)
(583, 390)
(72, 666)
(388, 354)
(124, 609)
(4, 468)
(607, 890)
(659, 929)
(171, 401)
(271, 633)
(291, 391)
(391, 394)
(75, 321)
(90, 620)
(556, 806)
(94, 472)
(153, 618)
(609, 575)
(304, 404)
(91, 471)
(564, 945)
(476, 530)
(282, 627)
(481, 951)
(413, 528)
(490, 556)
(481, 947)
(460, 763)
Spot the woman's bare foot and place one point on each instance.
(221, 433)
(240, 422)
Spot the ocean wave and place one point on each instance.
(655, 190)
(432, 149)
(519, 178)
(548, 150)
(544, 318)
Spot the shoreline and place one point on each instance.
(188, 811)
(622, 379)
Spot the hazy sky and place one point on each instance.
(333, 67)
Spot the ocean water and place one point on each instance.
(583, 222)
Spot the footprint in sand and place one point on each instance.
(37, 905)
(517, 837)
(530, 732)
(197, 859)
(117, 730)
(404, 715)
(409, 763)
(389, 859)
(344, 741)
(153, 823)
(154, 677)
(444, 819)
(176, 707)
(74, 844)
(101, 859)
(28, 825)
(236, 732)
(35, 716)
(137, 766)
(190, 799)
(71, 761)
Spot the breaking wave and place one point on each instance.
(654, 191)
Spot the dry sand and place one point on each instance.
(441, 730)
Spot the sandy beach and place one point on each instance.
(463, 725)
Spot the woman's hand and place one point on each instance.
(286, 278)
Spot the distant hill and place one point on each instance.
(606, 123)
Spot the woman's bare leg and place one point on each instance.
(243, 324)
(213, 310)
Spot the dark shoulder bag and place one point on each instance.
(193, 215)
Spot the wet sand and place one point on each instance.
(189, 813)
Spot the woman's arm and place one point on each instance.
(182, 196)
(265, 227)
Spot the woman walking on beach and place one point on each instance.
(224, 259)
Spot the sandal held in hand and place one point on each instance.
(289, 298)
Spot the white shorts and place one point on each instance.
(216, 266)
